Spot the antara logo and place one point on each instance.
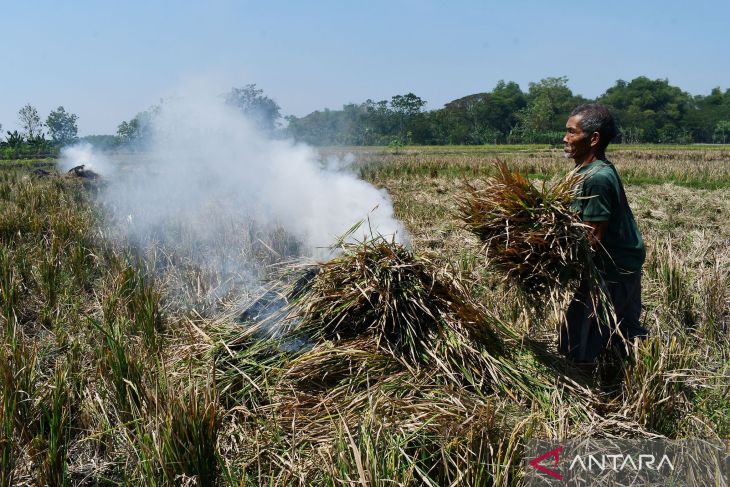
(620, 462)
(601, 462)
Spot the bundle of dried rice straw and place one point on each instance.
(396, 347)
(530, 233)
(379, 299)
(381, 289)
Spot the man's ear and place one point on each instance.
(595, 138)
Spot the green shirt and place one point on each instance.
(603, 199)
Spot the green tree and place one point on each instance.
(466, 118)
(480, 118)
(128, 131)
(138, 129)
(251, 101)
(506, 100)
(538, 116)
(407, 105)
(406, 110)
(62, 126)
(30, 121)
(555, 89)
(15, 139)
(549, 103)
(705, 113)
(722, 131)
(650, 109)
(379, 121)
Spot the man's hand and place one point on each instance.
(598, 231)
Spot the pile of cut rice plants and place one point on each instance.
(529, 233)
(383, 290)
(388, 351)
(382, 307)
(410, 308)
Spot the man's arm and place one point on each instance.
(597, 232)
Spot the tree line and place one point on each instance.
(31, 140)
(647, 111)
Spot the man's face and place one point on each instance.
(577, 144)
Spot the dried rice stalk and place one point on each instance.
(420, 314)
(381, 289)
(530, 234)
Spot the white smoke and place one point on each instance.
(83, 154)
(211, 183)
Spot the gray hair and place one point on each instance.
(595, 117)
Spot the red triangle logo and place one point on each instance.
(554, 453)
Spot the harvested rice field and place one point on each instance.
(138, 362)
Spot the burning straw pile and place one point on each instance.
(393, 357)
(382, 290)
(530, 234)
(378, 298)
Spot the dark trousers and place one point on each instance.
(588, 330)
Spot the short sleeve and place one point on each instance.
(596, 205)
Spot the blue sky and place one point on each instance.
(106, 61)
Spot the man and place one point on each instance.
(620, 253)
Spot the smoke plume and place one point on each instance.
(211, 183)
(84, 154)
(205, 153)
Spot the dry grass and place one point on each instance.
(118, 368)
(700, 168)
